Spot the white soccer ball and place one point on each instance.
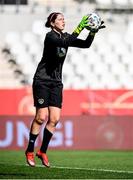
(94, 20)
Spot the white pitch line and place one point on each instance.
(89, 169)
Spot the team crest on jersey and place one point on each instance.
(40, 101)
(61, 52)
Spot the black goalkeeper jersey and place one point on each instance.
(54, 53)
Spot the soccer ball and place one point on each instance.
(94, 20)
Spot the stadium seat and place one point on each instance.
(18, 48)
(121, 3)
(130, 2)
(38, 28)
(12, 37)
(104, 2)
(28, 38)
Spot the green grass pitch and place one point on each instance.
(69, 165)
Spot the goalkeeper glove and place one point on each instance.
(82, 25)
(93, 31)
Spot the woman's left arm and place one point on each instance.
(83, 43)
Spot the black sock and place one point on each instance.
(47, 135)
(31, 144)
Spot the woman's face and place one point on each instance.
(59, 23)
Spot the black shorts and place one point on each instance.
(47, 93)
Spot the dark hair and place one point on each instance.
(51, 18)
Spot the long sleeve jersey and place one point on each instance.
(54, 53)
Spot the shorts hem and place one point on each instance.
(46, 106)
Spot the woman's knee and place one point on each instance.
(41, 116)
(53, 120)
(39, 121)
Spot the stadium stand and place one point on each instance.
(8, 74)
(107, 64)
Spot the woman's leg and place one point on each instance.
(54, 116)
(40, 117)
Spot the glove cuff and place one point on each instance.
(78, 30)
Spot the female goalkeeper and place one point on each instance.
(47, 83)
